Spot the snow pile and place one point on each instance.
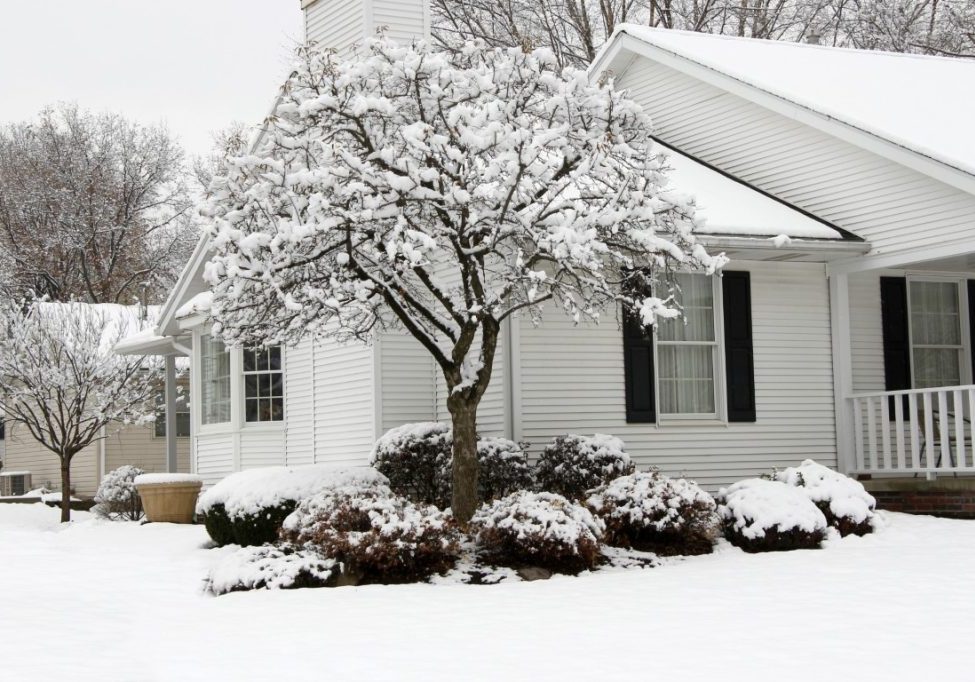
(163, 478)
(572, 464)
(56, 498)
(250, 491)
(197, 305)
(271, 568)
(403, 438)
(652, 512)
(378, 537)
(769, 515)
(845, 502)
(538, 529)
(37, 492)
(117, 496)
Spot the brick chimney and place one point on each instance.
(340, 24)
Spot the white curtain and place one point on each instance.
(215, 378)
(685, 351)
(935, 334)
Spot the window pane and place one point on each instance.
(275, 357)
(696, 295)
(250, 386)
(250, 361)
(935, 367)
(935, 315)
(686, 379)
(215, 380)
(251, 409)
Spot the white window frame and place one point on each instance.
(242, 393)
(964, 365)
(720, 414)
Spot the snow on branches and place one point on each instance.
(439, 190)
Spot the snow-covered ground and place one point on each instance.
(102, 601)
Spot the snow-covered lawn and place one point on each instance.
(102, 601)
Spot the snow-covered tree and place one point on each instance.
(93, 207)
(442, 193)
(61, 381)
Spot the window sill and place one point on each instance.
(665, 422)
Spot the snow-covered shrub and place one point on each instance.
(414, 458)
(377, 536)
(503, 468)
(767, 516)
(417, 460)
(572, 465)
(538, 529)
(845, 503)
(654, 513)
(117, 499)
(248, 508)
(271, 568)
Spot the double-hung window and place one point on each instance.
(182, 416)
(215, 379)
(937, 345)
(263, 385)
(687, 352)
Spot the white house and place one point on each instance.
(841, 183)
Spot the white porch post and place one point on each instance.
(839, 312)
(171, 413)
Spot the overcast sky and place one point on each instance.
(195, 65)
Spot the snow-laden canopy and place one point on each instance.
(923, 103)
(119, 320)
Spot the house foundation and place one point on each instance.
(947, 497)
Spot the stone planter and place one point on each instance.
(169, 498)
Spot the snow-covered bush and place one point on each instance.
(117, 499)
(414, 458)
(571, 465)
(503, 468)
(271, 568)
(654, 513)
(528, 529)
(248, 508)
(377, 536)
(767, 516)
(845, 503)
(417, 460)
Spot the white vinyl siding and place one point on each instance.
(405, 20)
(893, 207)
(344, 404)
(409, 378)
(335, 24)
(571, 381)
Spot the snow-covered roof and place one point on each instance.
(197, 305)
(730, 207)
(922, 103)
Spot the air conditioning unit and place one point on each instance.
(14, 483)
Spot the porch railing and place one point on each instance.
(925, 430)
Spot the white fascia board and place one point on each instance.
(926, 165)
(900, 259)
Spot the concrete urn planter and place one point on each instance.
(169, 498)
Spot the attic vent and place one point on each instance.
(14, 483)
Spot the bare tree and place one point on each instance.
(62, 382)
(441, 193)
(575, 29)
(227, 142)
(92, 207)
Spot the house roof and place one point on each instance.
(730, 207)
(919, 103)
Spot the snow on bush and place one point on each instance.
(247, 508)
(117, 499)
(767, 516)
(377, 536)
(654, 513)
(414, 457)
(572, 465)
(528, 529)
(417, 460)
(845, 503)
(271, 568)
(502, 468)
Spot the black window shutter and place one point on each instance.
(971, 323)
(638, 372)
(738, 349)
(897, 345)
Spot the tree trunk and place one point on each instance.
(65, 489)
(463, 416)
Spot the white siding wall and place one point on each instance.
(26, 454)
(866, 333)
(214, 456)
(891, 206)
(408, 390)
(335, 24)
(571, 380)
(299, 408)
(340, 24)
(344, 402)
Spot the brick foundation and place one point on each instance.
(952, 498)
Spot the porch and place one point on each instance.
(903, 367)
